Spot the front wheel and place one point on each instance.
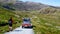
(30, 26)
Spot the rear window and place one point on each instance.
(26, 21)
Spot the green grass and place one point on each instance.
(4, 17)
(44, 23)
(6, 14)
(4, 29)
(47, 24)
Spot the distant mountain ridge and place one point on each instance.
(8, 1)
(20, 5)
(29, 5)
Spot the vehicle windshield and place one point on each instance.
(26, 21)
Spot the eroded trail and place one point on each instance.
(21, 30)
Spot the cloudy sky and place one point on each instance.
(49, 2)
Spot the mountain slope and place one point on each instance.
(29, 5)
(5, 15)
(20, 5)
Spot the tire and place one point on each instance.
(22, 26)
(30, 26)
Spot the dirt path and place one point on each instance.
(21, 30)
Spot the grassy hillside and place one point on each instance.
(4, 17)
(47, 24)
(46, 21)
(5, 14)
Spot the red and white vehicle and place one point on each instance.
(26, 23)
